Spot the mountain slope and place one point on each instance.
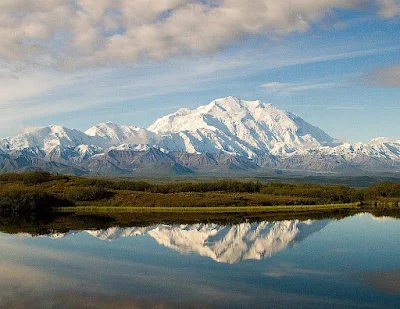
(50, 138)
(228, 135)
(116, 135)
(241, 127)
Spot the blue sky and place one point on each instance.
(335, 63)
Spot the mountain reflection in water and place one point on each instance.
(225, 244)
(347, 263)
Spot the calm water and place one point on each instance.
(352, 263)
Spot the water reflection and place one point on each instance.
(350, 263)
(225, 244)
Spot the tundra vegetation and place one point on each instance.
(41, 195)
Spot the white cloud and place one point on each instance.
(274, 86)
(389, 8)
(39, 93)
(388, 76)
(73, 33)
(306, 87)
(25, 86)
(289, 88)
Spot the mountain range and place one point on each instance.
(224, 244)
(229, 135)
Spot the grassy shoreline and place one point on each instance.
(214, 209)
(67, 221)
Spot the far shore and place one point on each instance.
(36, 202)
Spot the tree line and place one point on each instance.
(27, 192)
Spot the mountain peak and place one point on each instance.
(381, 140)
(234, 103)
(241, 127)
(115, 134)
(193, 119)
(228, 133)
(47, 138)
(53, 128)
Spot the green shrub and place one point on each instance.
(95, 182)
(384, 189)
(26, 200)
(223, 186)
(37, 177)
(326, 194)
(87, 194)
(11, 177)
(131, 185)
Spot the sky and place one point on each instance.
(335, 63)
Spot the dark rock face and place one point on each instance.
(155, 162)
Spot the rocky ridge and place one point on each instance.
(228, 135)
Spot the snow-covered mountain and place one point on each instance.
(50, 138)
(239, 127)
(378, 147)
(227, 135)
(224, 244)
(116, 135)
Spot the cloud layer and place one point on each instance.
(388, 76)
(288, 88)
(72, 33)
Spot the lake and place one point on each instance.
(353, 262)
